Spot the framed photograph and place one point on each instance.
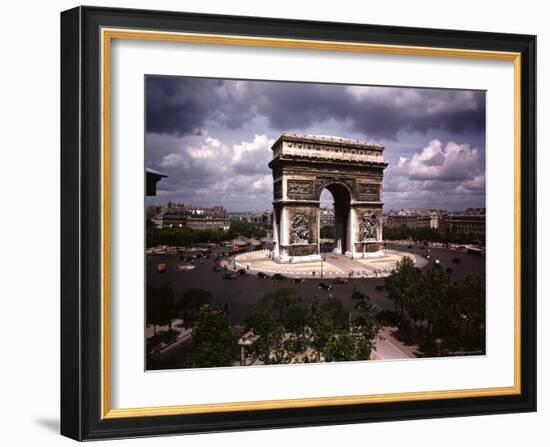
(276, 223)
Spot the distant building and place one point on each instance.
(326, 217)
(258, 217)
(416, 218)
(196, 218)
(469, 221)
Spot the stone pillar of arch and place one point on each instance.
(303, 166)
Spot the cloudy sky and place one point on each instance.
(213, 137)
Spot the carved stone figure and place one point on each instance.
(299, 231)
(367, 228)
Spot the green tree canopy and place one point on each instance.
(213, 339)
(402, 285)
(160, 307)
(270, 332)
(190, 303)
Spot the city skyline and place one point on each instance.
(213, 137)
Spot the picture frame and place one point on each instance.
(86, 37)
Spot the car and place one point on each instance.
(299, 280)
(340, 281)
(278, 277)
(261, 275)
(325, 286)
(359, 295)
(455, 260)
(365, 305)
(229, 276)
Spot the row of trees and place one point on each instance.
(287, 330)
(185, 236)
(443, 234)
(290, 332)
(213, 338)
(442, 315)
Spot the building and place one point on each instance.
(470, 221)
(257, 217)
(326, 217)
(152, 177)
(196, 218)
(416, 218)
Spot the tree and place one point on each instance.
(340, 347)
(471, 309)
(190, 303)
(402, 284)
(365, 330)
(326, 320)
(438, 301)
(160, 306)
(339, 338)
(281, 300)
(213, 339)
(270, 332)
(152, 308)
(166, 304)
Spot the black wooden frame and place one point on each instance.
(80, 223)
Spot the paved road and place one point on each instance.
(242, 295)
(388, 348)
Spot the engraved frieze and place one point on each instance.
(369, 191)
(299, 187)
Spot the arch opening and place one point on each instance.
(334, 223)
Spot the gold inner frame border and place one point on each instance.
(107, 35)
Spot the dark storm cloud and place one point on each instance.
(180, 106)
(183, 106)
(374, 111)
(213, 138)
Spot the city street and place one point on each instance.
(241, 295)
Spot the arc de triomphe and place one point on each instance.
(303, 166)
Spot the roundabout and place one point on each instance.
(331, 265)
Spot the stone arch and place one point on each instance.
(303, 166)
(332, 183)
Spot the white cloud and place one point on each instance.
(439, 175)
(205, 170)
(450, 163)
(260, 145)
